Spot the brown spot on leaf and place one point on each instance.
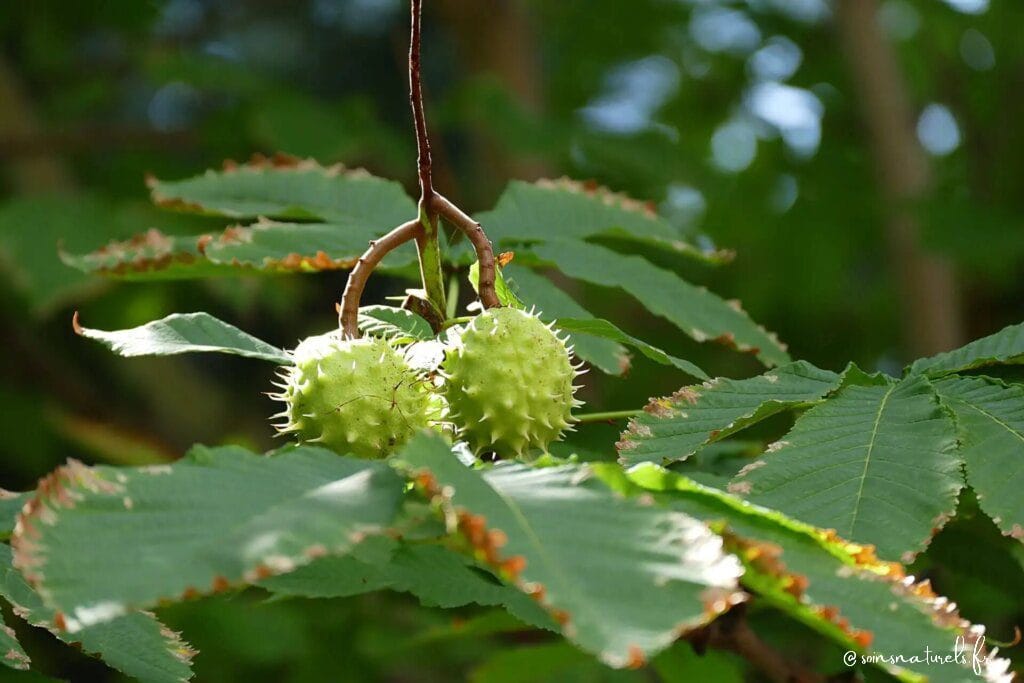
(625, 362)
(220, 583)
(636, 658)
(513, 566)
(59, 621)
(726, 339)
(687, 395)
(59, 490)
(740, 488)
(659, 407)
(19, 660)
(315, 551)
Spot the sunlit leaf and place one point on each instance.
(876, 463)
(623, 579)
(185, 333)
(135, 643)
(96, 542)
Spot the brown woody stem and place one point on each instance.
(423, 160)
(484, 252)
(348, 311)
(427, 245)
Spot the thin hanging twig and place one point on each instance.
(423, 160)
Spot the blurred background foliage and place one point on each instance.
(762, 126)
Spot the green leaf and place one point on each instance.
(134, 643)
(602, 328)
(185, 333)
(270, 246)
(436, 575)
(876, 463)
(96, 542)
(553, 303)
(676, 427)
(505, 295)
(14, 656)
(10, 505)
(287, 188)
(533, 212)
(151, 255)
(393, 323)
(623, 579)
(1003, 347)
(696, 311)
(990, 426)
(837, 588)
(266, 247)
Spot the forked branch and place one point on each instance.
(424, 228)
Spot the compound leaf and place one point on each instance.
(675, 427)
(96, 542)
(622, 578)
(876, 463)
(185, 333)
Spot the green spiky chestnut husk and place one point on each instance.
(508, 383)
(356, 397)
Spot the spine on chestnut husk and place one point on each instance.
(354, 396)
(509, 382)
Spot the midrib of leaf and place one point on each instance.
(999, 422)
(867, 458)
(992, 417)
